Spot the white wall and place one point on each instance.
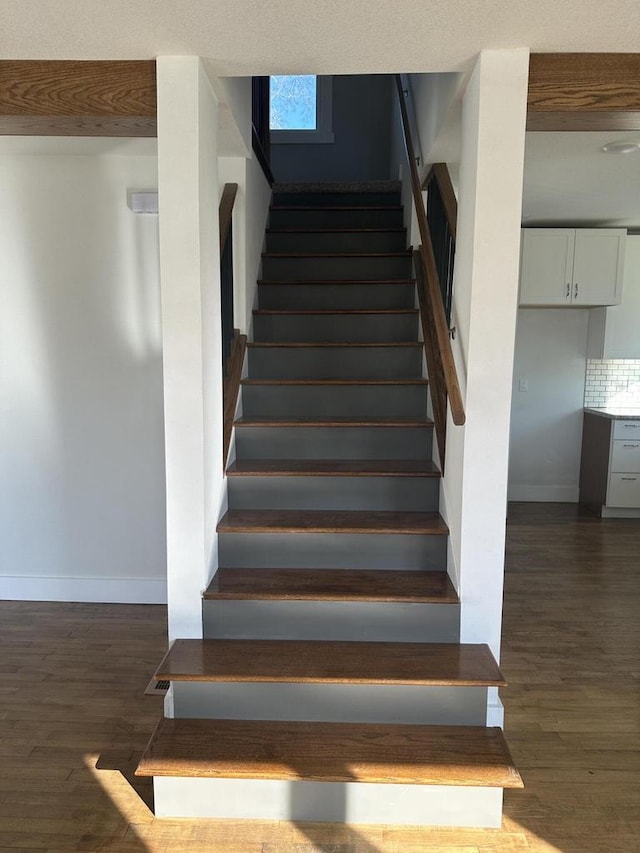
(81, 434)
(191, 329)
(552, 346)
(546, 419)
(250, 213)
(258, 198)
(234, 112)
(436, 100)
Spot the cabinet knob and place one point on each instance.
(629, 478)
(575, 295)
(568, 289)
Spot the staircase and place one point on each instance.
(332, 685)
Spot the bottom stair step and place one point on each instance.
(330, 752)
(336, 772)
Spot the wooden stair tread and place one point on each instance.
(341, 281)
(405, 253)
(331, 422)
(335, 207)
(330, 752)
(305, 229)
(332, 521)
(349, 311)
(333, 468)
(335, 344)
(388, 585)
(318, 382)
(331, 662)
(293, 188)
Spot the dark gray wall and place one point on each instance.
(362, 130)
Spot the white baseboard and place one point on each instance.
(620, 512)
(544, 494)
(94, 590)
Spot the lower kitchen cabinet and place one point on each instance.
(610, 466)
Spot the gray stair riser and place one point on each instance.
(296, 296)
(331, 703)
(367, 621)
(321, 267)
(341, 328)
(333, 802)
(413, 494)
(335, 362)
(336, 199)
(332, 551)
(402, 401)
(334, 442)
(337, 241)
(391, 217)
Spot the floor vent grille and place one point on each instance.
(157, 688)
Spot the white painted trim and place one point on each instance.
(169, 705)
(545, 494)
(95, 590)
(342, 802)
(495, 709)
(620, 512)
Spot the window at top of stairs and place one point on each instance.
(300, 108)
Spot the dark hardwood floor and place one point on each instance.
(74, 718)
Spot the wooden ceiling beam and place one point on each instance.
(584, 91)
(77, 98)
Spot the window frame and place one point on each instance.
(323, 133)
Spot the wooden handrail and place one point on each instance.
(440, 174)
(437, 313)
(231, 389)
(233, 357)
(225, 211)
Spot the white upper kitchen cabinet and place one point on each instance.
(574, 267)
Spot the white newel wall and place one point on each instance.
(485, 306)
(190, 286)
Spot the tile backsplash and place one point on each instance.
(612, 382)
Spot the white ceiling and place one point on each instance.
(568, 179)
(244, 37)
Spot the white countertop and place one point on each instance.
(617, 412)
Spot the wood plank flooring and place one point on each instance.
(74, 720)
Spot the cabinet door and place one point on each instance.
(598, 266)
(625, 457)
(624, 490)
(546, 266)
